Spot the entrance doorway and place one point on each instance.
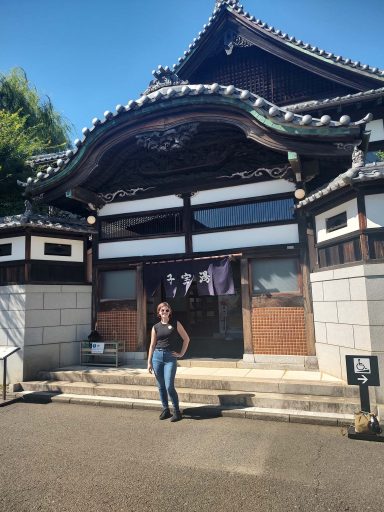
(214, 323)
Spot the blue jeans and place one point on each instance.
(165, 365)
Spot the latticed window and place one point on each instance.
(142, 225)
(261, 212)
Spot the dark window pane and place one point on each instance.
(57, 249)
(142, 225)
(275, 275)
(336, 222)
(118, 284)
(48, 272)
(243, 214)
(5, 249)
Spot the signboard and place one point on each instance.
(363, 370)
(97, 348)
(7, 351)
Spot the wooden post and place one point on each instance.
(246, 306)
(141, 309)
(362, 226)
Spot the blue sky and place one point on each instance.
(90, 55)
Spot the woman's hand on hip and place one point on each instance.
(177, 354)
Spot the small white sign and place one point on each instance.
(7, 351)
(362, 364)
(97, 348)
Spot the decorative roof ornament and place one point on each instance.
(358, 158)
(164, 77)
(232, 3)
(169, 140)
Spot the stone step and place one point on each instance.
(195, 411)
(219, 382)
(217, 397)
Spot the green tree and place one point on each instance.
(29, 125)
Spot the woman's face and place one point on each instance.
(164, 313)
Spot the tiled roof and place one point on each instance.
(367, 172)
(45, 222)
(234, 6)
(262, 107)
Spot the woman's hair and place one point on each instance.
(164, 305)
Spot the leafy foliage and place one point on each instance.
(29, 125)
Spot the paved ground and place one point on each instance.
(80, 458)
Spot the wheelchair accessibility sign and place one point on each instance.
(363, 370)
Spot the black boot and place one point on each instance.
(165, 414)
(176, 415)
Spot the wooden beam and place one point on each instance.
(85, 196)
(141, 309)
(246, 306)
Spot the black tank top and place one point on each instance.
(167, 335)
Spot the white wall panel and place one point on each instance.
(374, 207)
(18, 248)
(254, 237)
(146, 247)
(141, 205)
(37, 249)
(352, 221)
(377, 130)
(264, 188)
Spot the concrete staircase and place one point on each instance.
(211, 387)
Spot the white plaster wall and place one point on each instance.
(348, 306)
(18, 248)
(37, 249)
(141, 205)
(46, 322)
(376, 128)
(265, 188)
(253, 237)
(374, 208)
(352, 221)
(143, 247)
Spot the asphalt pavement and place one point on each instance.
(67, 458)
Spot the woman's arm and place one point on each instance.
(185, 337)
(151, 349)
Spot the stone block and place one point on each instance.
(377, 339)
(75, 316)
(12, 288)
(329, 359)
(16, 337)
(33, 336)
(43, 288)
(59, 300)
(336, 290)
(375, 288)
(84, 300)
(17, 302)
(340, 334)
(86, 288)
(376, 312)
(358, 289)
(69, 354)
(40, 358)
(12, 319)
(353, 312)
(317, 292)
(325, 312)
(4, 301)
(3, 336)
(321, 332)
(249, 358)
(82, 332)
(325, 275)
(348, 272)
(374, 269)
(42, 318)
(362, 335)
(34, 300)
(59, 333)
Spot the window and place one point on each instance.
(57, 249)
(142, 225)
(118, 285)
(5, 249)
(336, 222)
(260, 212)
(275, 275)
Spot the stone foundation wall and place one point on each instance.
(279, 331)
(349, 317)
(46, 322)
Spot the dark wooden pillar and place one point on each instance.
(187, 223)
(95, 281)
(362, 226)
(141, 305)
(27, 264)
(246, 306)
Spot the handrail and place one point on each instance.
(5, 352)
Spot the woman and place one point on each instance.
(162, 358)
